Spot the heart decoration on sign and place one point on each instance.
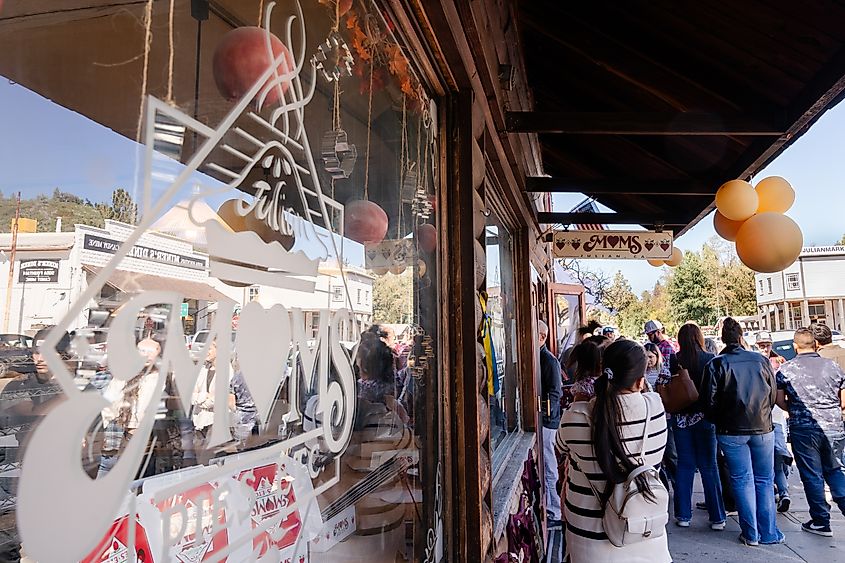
(560, 244)
(665, 245)
(386, 252)
(612, 241)
(649, 244)
(262, 366)
(576, 244)
(371, 254)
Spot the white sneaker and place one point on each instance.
(682, 523)
(718, 526)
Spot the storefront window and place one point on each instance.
(501, 313)
(219, 223)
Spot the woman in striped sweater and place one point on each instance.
(602, 438)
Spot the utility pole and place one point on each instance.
(11, 279)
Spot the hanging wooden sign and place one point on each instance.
(626, 245)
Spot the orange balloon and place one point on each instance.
(737, 200)
(726, 228)
(775, 194)
(676, 258)
(769, 242)
(230, 216)
(657, 263)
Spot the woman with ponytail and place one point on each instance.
(603, 439)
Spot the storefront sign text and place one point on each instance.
(110, 246)
(628, 245)
(38, 271)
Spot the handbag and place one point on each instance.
(678, 393)
(629, 516)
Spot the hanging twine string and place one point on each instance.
(403, 162)
(369, 128)
(171, 54)
(260, 12)
(148, 40)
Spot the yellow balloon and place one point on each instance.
(726, 228)
(737, 200)
(769, 242)
(676, 258)
(657, 263)
(775, 194)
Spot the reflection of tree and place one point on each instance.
(393, 298)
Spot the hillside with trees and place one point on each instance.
(72, 209)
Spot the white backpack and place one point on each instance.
(629, 516)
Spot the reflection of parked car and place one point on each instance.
(15, 341)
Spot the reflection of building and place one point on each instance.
(53, 269)
(810, 290)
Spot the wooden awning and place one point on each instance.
(650, 107)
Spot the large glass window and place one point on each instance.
(218, 222)
(500, 308)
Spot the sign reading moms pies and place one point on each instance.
(626, 245)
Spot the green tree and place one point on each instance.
(691, 292)
(841, 241)
(122, 207)
(619, 295)
(392, 298)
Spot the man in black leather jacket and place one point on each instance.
(738, 392)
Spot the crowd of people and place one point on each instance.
(643, 419)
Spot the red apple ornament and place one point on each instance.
(427, 237)
(364, 222)
(241, 58)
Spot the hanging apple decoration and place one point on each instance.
(364, 222)
(241, 58)
(427, 237)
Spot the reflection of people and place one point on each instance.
(242, 405)
(764, 344)
(550, 384)
(23, 401)
(202, 399)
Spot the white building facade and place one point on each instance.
(810, 290)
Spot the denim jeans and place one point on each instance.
(668, 467)
(696, 447)
(751, 462)
(550, 474)
(782, 463)
(819, 460)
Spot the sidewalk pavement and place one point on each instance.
(700, 544)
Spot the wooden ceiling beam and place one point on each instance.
(637, 123)
(618, 186)
(622, 218)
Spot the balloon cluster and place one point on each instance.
(673, 261)
(766, 240)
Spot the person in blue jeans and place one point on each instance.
(738, 392)
(809, 388)
(695, 439)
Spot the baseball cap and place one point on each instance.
(652, 326)
(764, 336)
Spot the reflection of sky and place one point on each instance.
(44, 146)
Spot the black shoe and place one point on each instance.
(817, 529)
(701, 505)
(783, 504)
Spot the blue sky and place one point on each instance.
(814, 165)
(54, 147)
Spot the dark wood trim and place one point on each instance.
(618, 186)
(463, 486)
(820, 95)
(638, 123)
(621, 218)
(526, 332)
